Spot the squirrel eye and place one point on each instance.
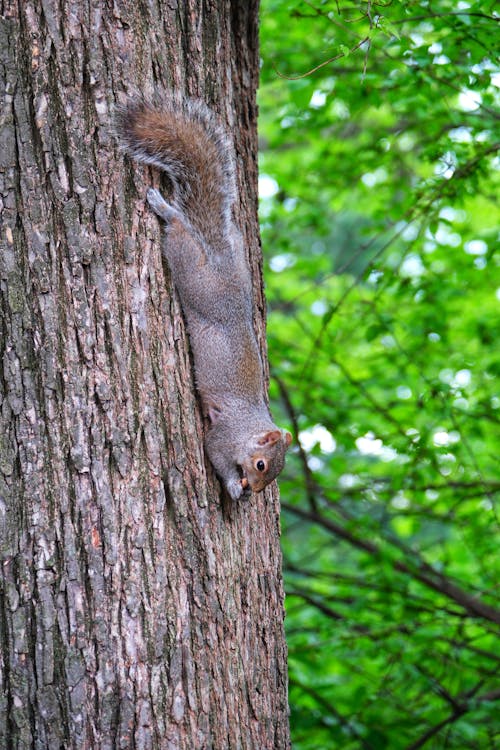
(260, 465)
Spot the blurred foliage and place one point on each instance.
(379, 185)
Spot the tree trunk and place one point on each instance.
(137, 610)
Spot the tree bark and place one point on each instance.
(137, 610)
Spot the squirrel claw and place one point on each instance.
(246, 492)
(246, 489)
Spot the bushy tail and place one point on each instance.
(184, 140)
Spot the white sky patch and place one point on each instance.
(288, 122)
(400, 501)
(318, 99)
(289, 204)
(370, 179)
(280, 262)
(443, 438)
(315, 463)
(267, 186)
(445, 461)
(461, 135)
(406, 141)
(375, 276)
(452, 214)
(468, 101)
(476, 247)
(319, 307)
(369, 445)
(446, 165)
(318, 435)
(462, 378)
(459, 379)
(412, 266)
(444, 236)
(388, 341)
(347, 481)
(441, 60)
(483, 137)
(403, 392)
(417, 39)
(436, 48)
(410, 233)
(446, 375)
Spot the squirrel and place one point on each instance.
(207, 260)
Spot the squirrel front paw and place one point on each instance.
(238, 489)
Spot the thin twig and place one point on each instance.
(321, 65)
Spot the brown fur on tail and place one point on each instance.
(184, 140)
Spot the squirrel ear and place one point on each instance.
(269, 438)
(213, 414)
(288, 438)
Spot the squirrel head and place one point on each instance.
(264, 459)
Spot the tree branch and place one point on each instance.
(331, 711)
(421, 570)
(311, 485)
(461, 708)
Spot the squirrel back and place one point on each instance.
(184, 140)
(207, 260)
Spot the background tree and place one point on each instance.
(379, 134)
(135, 610)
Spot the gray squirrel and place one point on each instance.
(206, 257)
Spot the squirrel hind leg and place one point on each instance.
(160, 206)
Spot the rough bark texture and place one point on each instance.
(136, 609)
